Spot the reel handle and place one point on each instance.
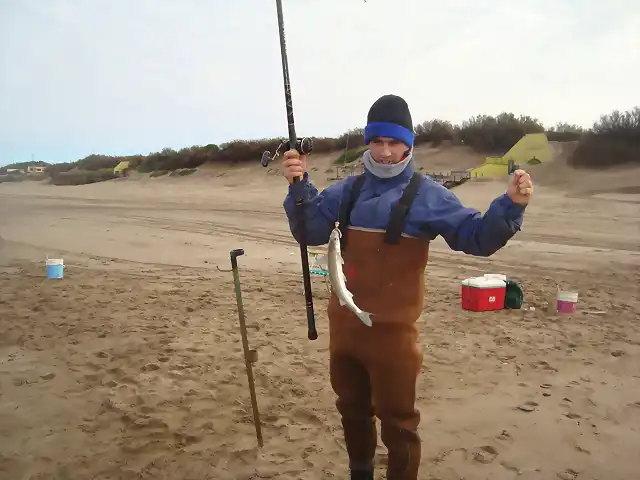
(304, 146)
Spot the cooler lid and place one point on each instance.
(486, 282)
(496, 275)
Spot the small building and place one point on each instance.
(122, 169)
(531, 149)
(31, 169)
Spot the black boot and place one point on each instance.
(361, 474)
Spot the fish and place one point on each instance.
(338, 280)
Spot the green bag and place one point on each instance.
(514, 297)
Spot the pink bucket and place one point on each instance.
(566, 302)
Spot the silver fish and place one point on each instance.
(337, 278)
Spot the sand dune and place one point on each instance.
(624, 179)
(131, 367)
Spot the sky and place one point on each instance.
(120, 77)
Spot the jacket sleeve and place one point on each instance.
(466, 229)
(321, 210)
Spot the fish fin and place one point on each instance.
(365, 318)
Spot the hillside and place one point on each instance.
(322, 168)
(22, 166)
(440, 147)
(560, 174)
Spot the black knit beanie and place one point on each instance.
(389, 116)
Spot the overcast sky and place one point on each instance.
(133, 76)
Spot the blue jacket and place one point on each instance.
(435, 211)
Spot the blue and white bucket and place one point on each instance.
(55, 268)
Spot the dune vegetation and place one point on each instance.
(612, 140)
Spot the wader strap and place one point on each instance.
(400, 210)
(349, 197)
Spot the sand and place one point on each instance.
(131, 367)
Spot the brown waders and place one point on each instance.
(374, 369)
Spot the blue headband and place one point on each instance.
(386, 129)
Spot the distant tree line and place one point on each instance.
(612, 140)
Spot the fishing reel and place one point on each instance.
(304, 146)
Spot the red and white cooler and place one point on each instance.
(482, 294)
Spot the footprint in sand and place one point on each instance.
(546, 386)
(528, 406)
(306, 415)
(505, 437)
(566, 402)
(582, 450)
(484, 454)
(150, 367)
(567, 474)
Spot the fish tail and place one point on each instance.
(365, 318)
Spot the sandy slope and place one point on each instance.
(623, 179)
(131, 367)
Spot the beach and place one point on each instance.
(132, 367)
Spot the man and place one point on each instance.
(392, 213)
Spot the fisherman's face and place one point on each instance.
(387, 150)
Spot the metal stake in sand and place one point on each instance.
(249, 355)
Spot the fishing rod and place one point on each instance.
(303, 146)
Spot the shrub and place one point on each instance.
(436, 132)
(350, 155)
(485, 133)
(564, 132)
(82, 177)
(613, 140)
(37, 177)
(98, 162)
(12, 178)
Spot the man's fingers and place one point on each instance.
(524, 178)
(292, 162)
(522, 181)
(293, 165)
(526, 191)
(295, 172)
